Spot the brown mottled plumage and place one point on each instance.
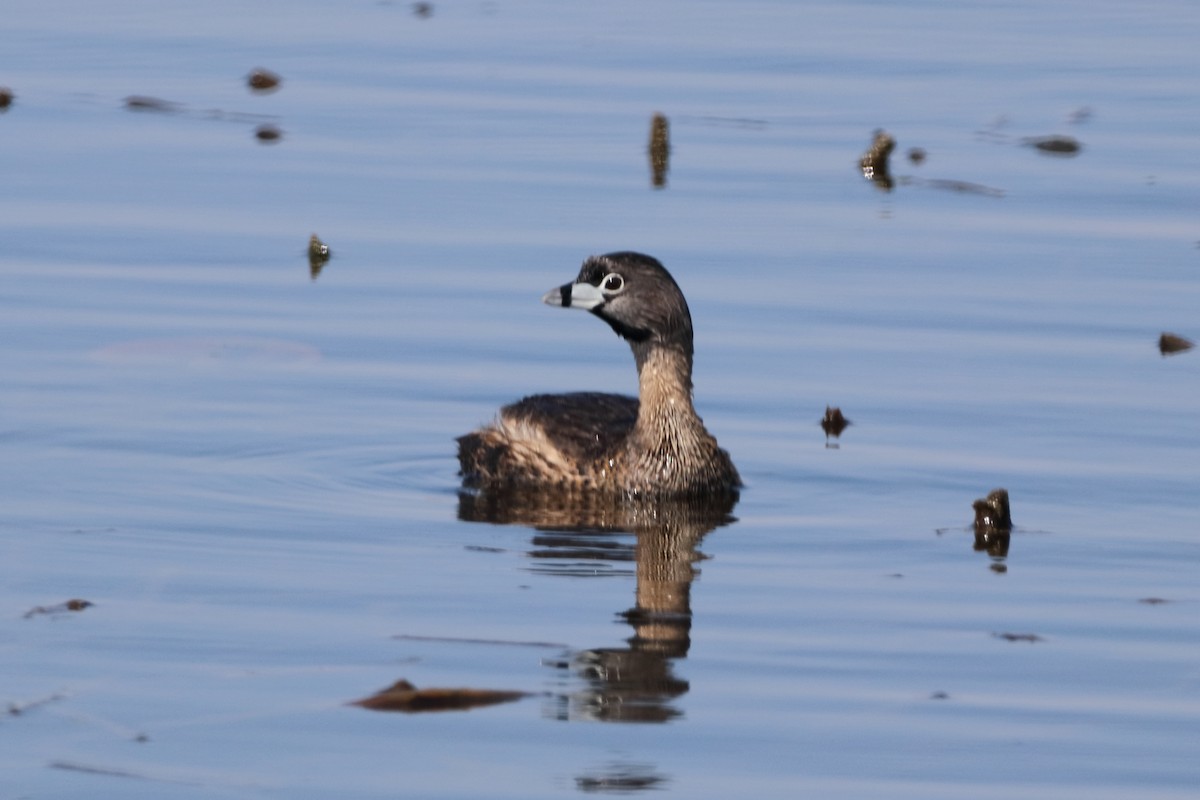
(655, 444)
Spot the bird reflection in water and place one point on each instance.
(637, 682)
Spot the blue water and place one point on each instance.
(251, 474)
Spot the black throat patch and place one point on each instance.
(627, 332)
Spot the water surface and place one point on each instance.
(251, 472)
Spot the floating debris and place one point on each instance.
(423, 10)
(6, 98)
(874, 162)
(318, 256)
(268, 134)
(1054, 145)
(939, 696)
(1170, 344)
(993, 524)
(139, 102)
(1153, 601)
(61, 608)
(1019, 637)
(992, 512)
(917, 155)
(263, 81)
(403, 696)
(660, 150)
(834, 422)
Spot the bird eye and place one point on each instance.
(613, 283)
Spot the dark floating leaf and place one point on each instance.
(1019, 637)
(1170, 344)
(61, 608)
(263, 81)
(138, 102)
(834, 422)
(318, 256)
(917, 155)
(268, 133)
(6, 98)
(1055, 145)
(660, 150)
(874, 162)
(403, 696)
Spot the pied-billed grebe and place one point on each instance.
(654, 444)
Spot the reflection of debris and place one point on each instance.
(874, 162)
(268, 133)
(318, 256)
(412, 637)
(917, 155)
(660, 150)
(73, 766)
(145, 103)
(834, 422)
(1019, 637)
(1080, 115)
(1054, 145)
(137, 102)
(1170, 344)
(403, 696)
(620, 779)
(61, 608)
(746, 123)
(964, 187)
(17, 709)
(6, 97)
(263, 80)
(993, 131)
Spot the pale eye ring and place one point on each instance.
(612, 283)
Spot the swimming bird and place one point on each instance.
(654, 444)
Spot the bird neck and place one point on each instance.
(664, 390)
